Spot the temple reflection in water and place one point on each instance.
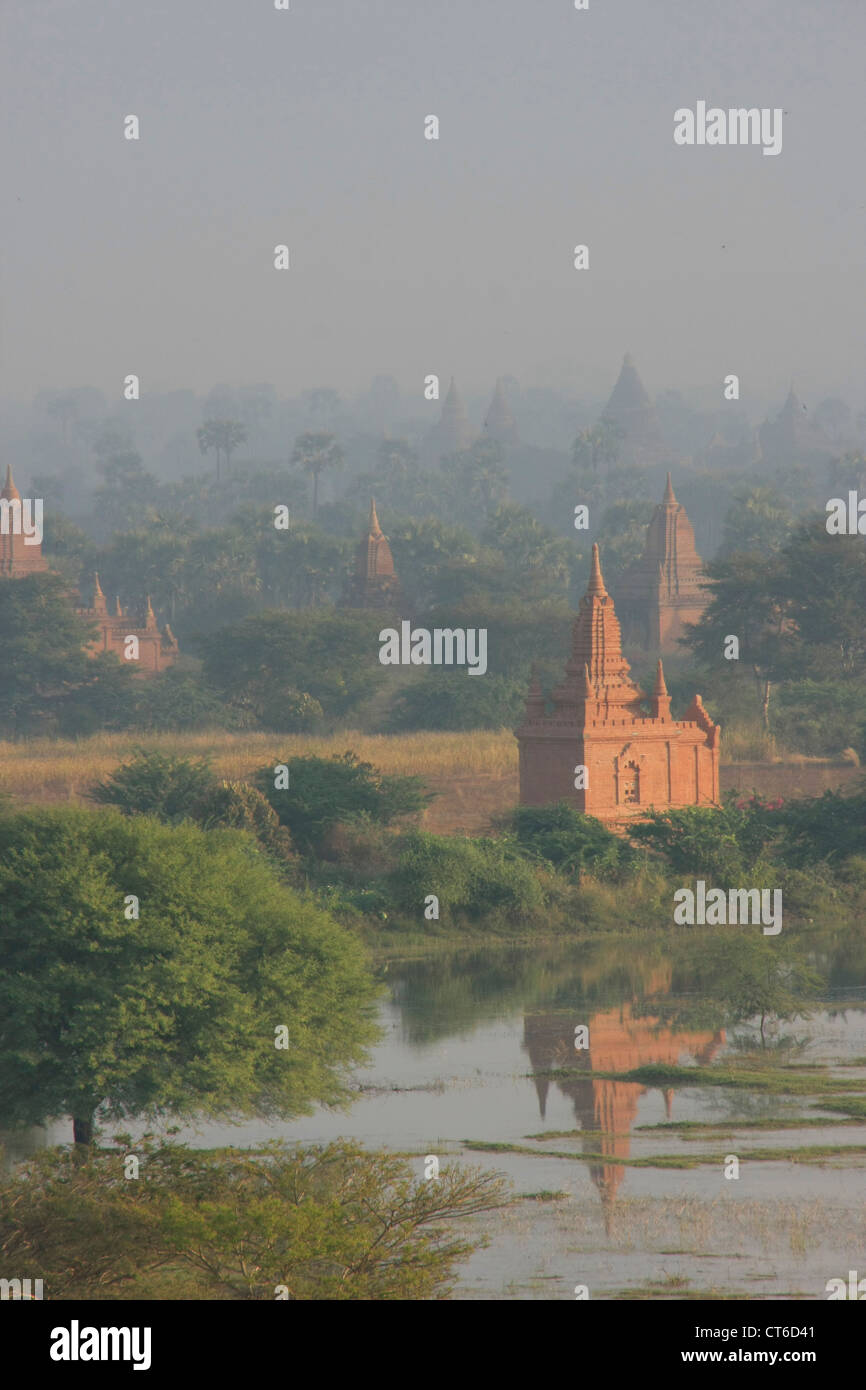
(618, 1041)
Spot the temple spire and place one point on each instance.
(669, 500)
(10, 491)
(375, 528)
(596, 581)
(99, 603)
(660, 702)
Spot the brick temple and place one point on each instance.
(634, 759)
(374, 583)
(663, 590)
(156, 649)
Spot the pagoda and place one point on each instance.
(792, 438)
(20, 556)
(663, 590)
(499, 423)
(453, 431)
(633, 417)
(374, 583)
(156, 650)
(598, 748)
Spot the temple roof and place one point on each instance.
(670, 566)
(499, 423)
(597, 668)
(374, 559)
(9, 490)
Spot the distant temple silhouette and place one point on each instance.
(452, 431)
(499, 423)
(663, 590)
(792, 438)
(374, 583)
(604, 1109)
(632, 760)
(156, 650)
(633, 416)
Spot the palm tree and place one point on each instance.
(223, 436)
(312, 453)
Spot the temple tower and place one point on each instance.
(19, 556)
(499, 423)
(663, 590)
(633, 415)
(634, 758)
(452, 432)
(374, 583)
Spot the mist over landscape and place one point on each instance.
(433, 680)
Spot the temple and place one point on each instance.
(663, 590)
(18, 559)
(792, 438)
(499, 423)
(633, 416)
(374, 583)
(156, 650)
(624, 760)
(452, 432)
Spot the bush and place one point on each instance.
(157, 784)
(333, 1223)
(474, 878)
(726, 845)
(325, 791)
(238, 806)
(569, 840)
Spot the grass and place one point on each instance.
(694, 1129)
(770, 1082)
(815, 1153)
(63, 769)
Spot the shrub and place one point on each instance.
(325, 791)
(156, 784)
(569, 840)
(474, 878)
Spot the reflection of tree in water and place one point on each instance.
(460, 991)
(620, 1039)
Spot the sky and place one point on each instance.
(410, 256)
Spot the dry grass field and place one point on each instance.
(474, 774)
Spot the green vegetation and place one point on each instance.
(331, 1223)
(147, 968)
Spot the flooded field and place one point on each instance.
(618, 1150)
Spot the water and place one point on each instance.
(478, 1046)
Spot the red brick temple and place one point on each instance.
(17, 559)
(156, 650)
(633, 760)
(374, 583)
(663, 590)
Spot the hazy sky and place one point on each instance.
(412, 256)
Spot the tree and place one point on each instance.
(758, 521)
(275, 664)
(331, 1222)
(156, 784)
(313, 453)
(223, 436)
(597, 448)
(323, 792)
(478, 477)
(175, 1011)
(44, 659)
(566, 838)
(749, 602)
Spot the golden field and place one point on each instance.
(474, 775)
(62, 770)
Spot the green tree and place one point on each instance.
(323, 792)
(759, 521)
(313, 453)
(567, 839)
(177, 1011)
(156, 784)
(287, 668)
